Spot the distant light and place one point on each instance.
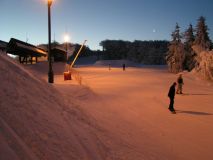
(154, 30)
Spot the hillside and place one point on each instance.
(38, 123)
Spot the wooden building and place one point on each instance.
(59, 54)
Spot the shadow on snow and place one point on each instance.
(196, 94)
(194, 113)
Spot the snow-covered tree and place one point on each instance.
(189, 38)
(202, 45)
(205, 65)
(176, 56)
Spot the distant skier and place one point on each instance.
(180, 84)
(171, 96)
(124, 67)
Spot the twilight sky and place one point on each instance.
(97, 20)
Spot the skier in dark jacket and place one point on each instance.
(171, 96)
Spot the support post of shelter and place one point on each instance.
(20, 59)
(31, 60)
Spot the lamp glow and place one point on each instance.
(66, 38)
(50, 2)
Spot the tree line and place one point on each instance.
(146, 52)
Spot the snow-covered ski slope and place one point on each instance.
(114, 115)
(132, 106)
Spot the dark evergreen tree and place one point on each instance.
(176, 56)
(202, 39)
(176, 37)
(189, 37)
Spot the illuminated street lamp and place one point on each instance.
(50, 71)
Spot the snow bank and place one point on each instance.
(37, 122)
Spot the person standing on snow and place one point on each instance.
(180, 84)
(171, 96)
(124, 66)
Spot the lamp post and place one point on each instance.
(50, 71)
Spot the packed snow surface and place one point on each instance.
(113, 115)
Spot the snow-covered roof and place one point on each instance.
(21, 48)
(59, 48)
(30, 48)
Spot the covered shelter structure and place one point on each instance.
(59, 54)
(26, 52)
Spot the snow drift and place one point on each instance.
(38, 123)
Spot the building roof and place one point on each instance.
(58, 50)
(17, 47)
